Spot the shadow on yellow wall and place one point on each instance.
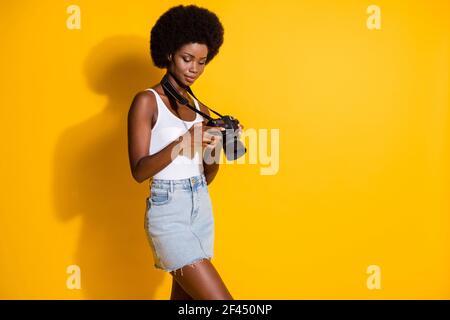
(90, 180)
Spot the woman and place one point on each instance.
(179, 220)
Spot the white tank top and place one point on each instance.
(167, 128)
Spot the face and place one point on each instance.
(188, 63)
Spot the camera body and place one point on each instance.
(226, 122)
(232, 147)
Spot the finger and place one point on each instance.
(218, 129)
(207, 135)
(213, 128)
(216, 139)
(213, 133)
(210, 145)
(210, 139)
(207, 139)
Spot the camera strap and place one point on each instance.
(169, 89)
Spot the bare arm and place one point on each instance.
(140, 115)
(210, 171)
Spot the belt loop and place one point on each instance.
(171, 186)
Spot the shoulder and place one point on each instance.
(144, 102)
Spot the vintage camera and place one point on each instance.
(232, 147)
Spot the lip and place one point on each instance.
(190, 79)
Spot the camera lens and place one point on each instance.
(232, 147)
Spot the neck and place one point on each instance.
(181, 88)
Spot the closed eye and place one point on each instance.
(190, 60)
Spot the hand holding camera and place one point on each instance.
(227, 125)
(199, 137)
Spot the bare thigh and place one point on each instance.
(177, 292)
(202, 281)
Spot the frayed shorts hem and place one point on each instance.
(191, 264)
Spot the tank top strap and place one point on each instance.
(197, 105)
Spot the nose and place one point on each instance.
(193, 68)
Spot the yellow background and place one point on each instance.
(364, 149)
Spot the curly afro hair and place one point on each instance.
(181, 25)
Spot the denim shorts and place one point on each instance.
(179, 222)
